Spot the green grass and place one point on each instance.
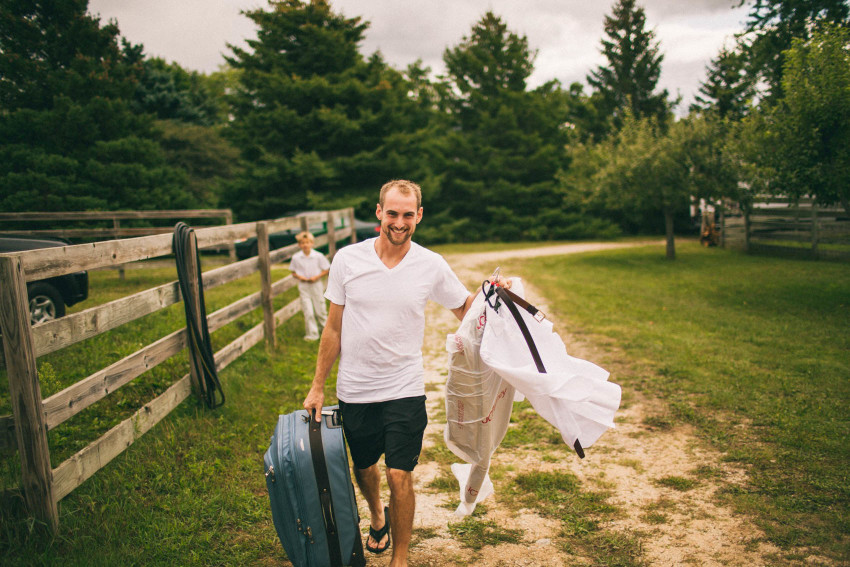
(582, 514)
(475, 533)
(679, 483)
(191, 491)
(753, 351)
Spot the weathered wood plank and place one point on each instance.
(283, 285)
(286, 223)
(77, 397)
(65, 331)
(25, 393)
(287, 311)
(50, 262)
(80, 395)
(238, 347)
(76, 470)
(332, 237)
(282, 254)
(109, 215)
(266, 283)
(60, 333)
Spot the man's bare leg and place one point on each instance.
(402, 507)
(369, 482)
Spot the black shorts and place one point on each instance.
(394, 428)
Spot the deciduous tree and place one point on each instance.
(772, 27)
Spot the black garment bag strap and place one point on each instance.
(535, 312)
(507, 300)
(323, 482)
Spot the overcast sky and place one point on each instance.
(566, 33)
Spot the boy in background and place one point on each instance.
(309, 267)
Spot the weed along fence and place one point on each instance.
(779, 226)
(32, 417)
(22, 224)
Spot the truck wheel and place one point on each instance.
(46, 303)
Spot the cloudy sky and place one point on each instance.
(566, 33)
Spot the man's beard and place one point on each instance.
(397, 238)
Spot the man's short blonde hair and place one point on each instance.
(404, 187)
(305, 236)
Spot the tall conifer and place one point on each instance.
(628, 81)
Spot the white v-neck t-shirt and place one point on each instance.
(383, 323)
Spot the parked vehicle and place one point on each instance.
(48, 298)
(246, 248)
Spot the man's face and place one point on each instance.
(399, 216)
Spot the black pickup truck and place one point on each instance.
(48, 298)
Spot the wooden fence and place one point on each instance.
(779, 226)
(32, 416)
(110, 217)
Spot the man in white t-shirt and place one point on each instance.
(378, 290)
(309, 266)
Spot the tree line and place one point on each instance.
(302, 119)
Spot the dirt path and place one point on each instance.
(675, 527)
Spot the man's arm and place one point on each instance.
(461, 311)
(329, 348)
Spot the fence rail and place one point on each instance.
(33, 416)
(115, 218)
(780, 226)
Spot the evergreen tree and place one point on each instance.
(774, 24)
(172, 93)
(311, 117)
(505, 145)
(727, 90)
(68, 137)
(628, 81)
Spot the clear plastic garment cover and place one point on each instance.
(491, 366)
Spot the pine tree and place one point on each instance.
(505, 144)
(727, 90)
(69, 139)
(311, 117)
(629, 80)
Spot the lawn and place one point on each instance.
(753, 351)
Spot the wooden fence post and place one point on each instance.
(25, 393)
(815, 229)
(351, 224)
(331, 236)
(266, 283)
(231, 246)
(192, 282)
(116, 224)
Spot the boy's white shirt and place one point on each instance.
(308, 266)
(383, 323)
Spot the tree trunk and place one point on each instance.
(668, 229)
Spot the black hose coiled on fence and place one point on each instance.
(199, 338)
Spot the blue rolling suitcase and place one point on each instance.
(311, 494)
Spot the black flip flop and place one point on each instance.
(378, 535)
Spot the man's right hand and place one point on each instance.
(314, 403)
